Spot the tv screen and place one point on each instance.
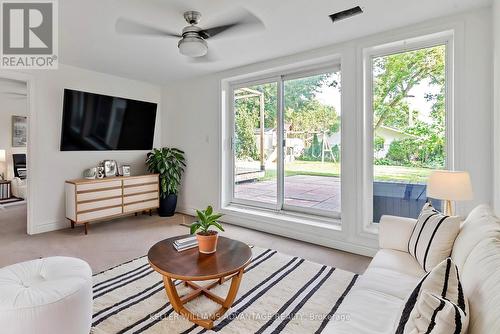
(94, 122)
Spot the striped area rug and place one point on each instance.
(278, 294)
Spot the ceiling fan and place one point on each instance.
(193, 39)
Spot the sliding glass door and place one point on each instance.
(312, 143)
(287, 143)
(255, 144)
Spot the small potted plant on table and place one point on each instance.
(207, 239)
(169, 163)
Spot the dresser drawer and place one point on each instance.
(93, 215)
(129, 190)
(98, 204)
(140, 198)
(140, 180)
(98, 185)
(99, 194)
(140, 206)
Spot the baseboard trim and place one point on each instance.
(49, 227)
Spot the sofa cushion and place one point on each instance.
(378, 294)
(433, 236)
(442, 281)
(398, 261)
(481, 282)
(481, 224)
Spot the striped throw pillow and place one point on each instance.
(438, 298)
(433, 236)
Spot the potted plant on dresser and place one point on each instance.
(169, 163)
(207, 239)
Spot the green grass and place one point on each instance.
(331, 169)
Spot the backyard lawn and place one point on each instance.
(382, 173)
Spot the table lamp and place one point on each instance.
(449, 186)
(2, 164)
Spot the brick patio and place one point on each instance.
(320, 192)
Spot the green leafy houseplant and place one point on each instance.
(206, 219)
(207, 239)
(169, 163)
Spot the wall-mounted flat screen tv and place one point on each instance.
(94, 122)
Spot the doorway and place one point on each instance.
(14, 154)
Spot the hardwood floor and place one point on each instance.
(117, 241)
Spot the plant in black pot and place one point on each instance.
(169, 163)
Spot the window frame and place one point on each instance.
(278, 77)
(446, 38)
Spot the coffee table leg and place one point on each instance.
(178, 305)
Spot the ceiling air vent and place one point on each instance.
(346, 14)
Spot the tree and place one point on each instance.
(394, 77)
(300, 97)
(313, 117)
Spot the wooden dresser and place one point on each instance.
(100, 199)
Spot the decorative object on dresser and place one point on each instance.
(110, 168)
(449, 186)
(125, 170)
(100, 199)
(100, 171)
(207, 239)
(169, 163)
(90, 173)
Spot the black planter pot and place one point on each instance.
(167, 205)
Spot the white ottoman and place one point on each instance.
(46, 296)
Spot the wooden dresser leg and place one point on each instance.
(72, 224)
(135, 213)
(86, 228)
(150, 212)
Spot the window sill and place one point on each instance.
(297, 219)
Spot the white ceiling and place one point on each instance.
(88, 39)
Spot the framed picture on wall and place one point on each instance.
(19, 131)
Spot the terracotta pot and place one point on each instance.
(207, 244)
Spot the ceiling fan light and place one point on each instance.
(193, 47)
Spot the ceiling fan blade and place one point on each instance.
(127, 26)
(245, 20)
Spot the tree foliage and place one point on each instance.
(394, 78)
(303, 112)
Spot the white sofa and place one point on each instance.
(376, 300)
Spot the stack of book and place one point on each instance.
(186, 243)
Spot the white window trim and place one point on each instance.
(228, 176)
(366, 227)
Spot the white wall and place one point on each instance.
(10, 106)
(48, 166)
(192, 120)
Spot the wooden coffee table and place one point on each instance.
(229, 261)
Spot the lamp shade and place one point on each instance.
(2, 155)
(450, 185)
